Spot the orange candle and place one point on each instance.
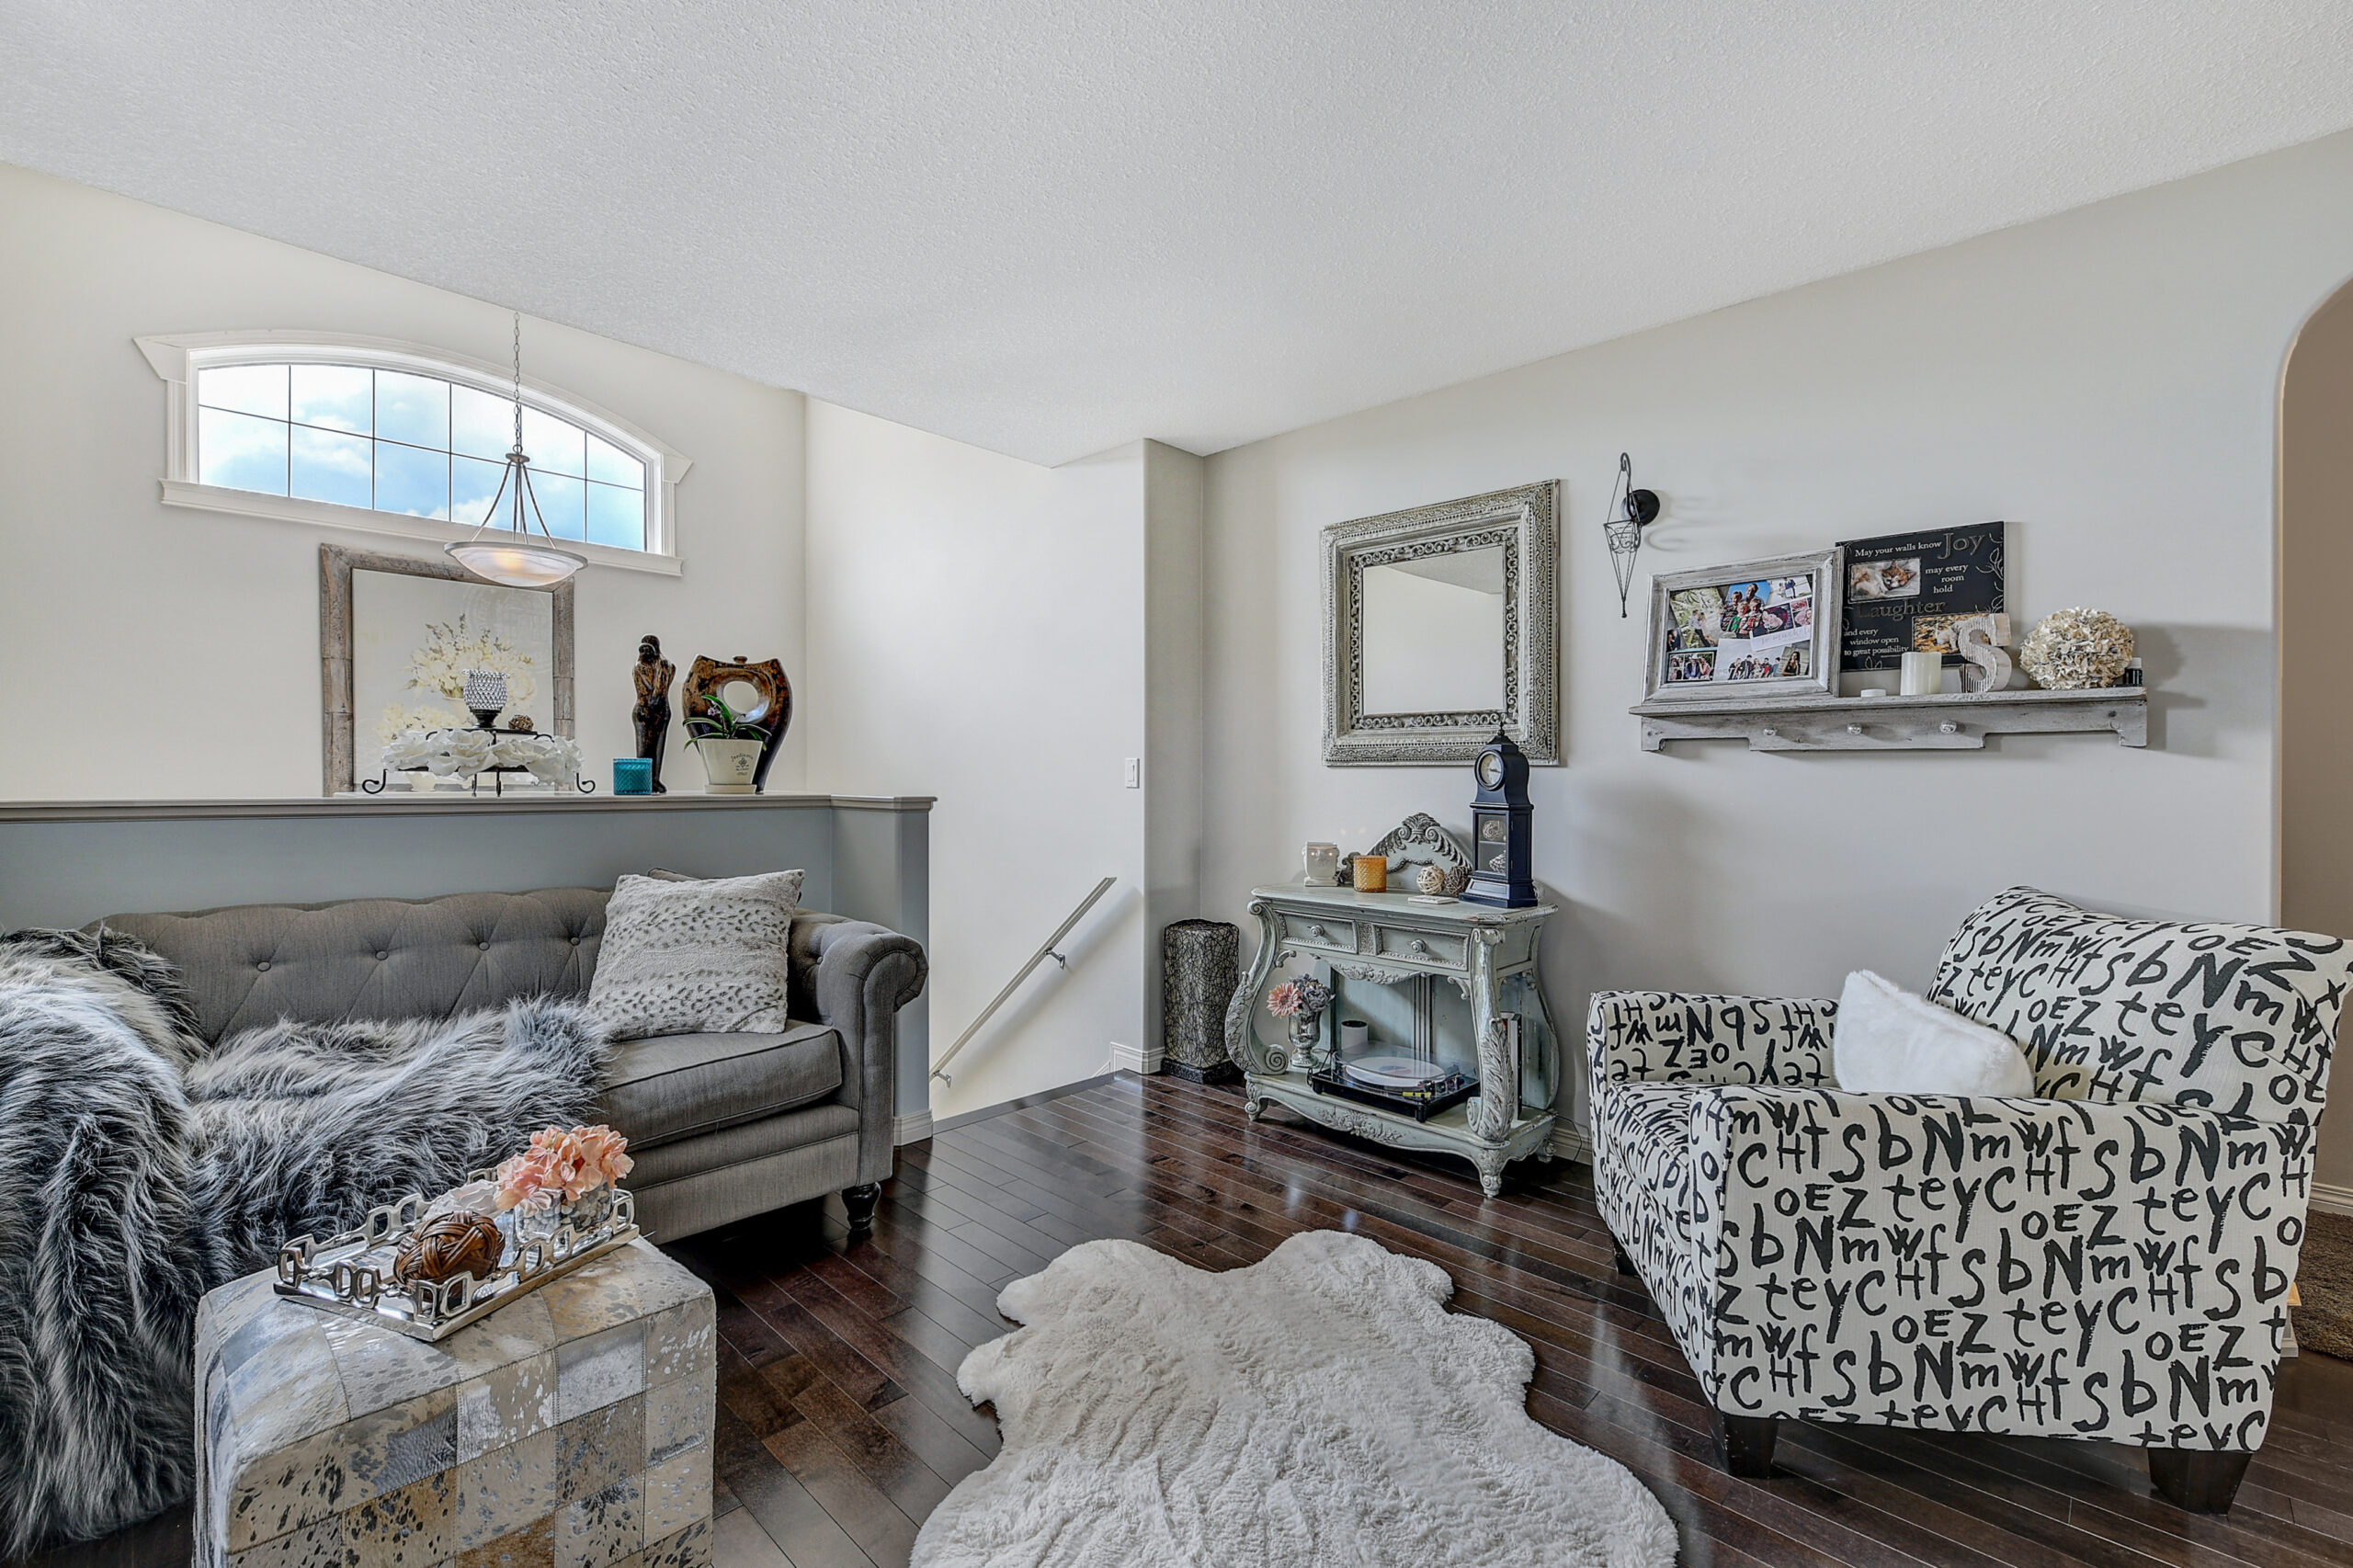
(1373, 873)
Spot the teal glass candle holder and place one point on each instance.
(632, 776)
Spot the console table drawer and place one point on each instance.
(1422, 947)
(1326, 933)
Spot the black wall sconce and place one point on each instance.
(1631, 510)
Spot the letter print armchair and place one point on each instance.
(2108, 1260)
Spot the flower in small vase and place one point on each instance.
(522, 1183)
(563, 1164)
(1306, 996)
(604, 1151)
(562, 1154)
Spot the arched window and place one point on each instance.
(395, 437)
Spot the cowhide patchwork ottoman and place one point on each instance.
(568, 1429)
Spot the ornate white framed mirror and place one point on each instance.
(1438, 631)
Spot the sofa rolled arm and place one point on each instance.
(865, 973)
(1670, 1037)
(2078, 1268)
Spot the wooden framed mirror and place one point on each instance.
(396, 635)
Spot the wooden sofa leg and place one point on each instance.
(860, 1202)
(1745, 1444)
(2199, 1480)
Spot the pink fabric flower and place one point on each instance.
(560, 1163)
(523, 1182)
(1305, 994)
(560, 1152)
(603, 1150)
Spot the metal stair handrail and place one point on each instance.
(1046, 949)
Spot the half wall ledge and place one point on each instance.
(444, 805)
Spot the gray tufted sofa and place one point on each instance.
(721, 1126)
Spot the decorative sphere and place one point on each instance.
(1431, 880)
(450, 1244)
(2077, 650)
(520, 724)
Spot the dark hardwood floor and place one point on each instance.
(840, 1424)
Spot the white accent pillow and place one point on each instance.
(686, 957)
(1889, 1042)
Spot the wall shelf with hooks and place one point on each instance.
(1953, 722)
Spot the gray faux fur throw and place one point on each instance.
(142, 1168)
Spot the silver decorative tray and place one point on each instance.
(352, 1273)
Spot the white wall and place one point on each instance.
(977, 631)
(2104, 380)
(188, 642)
(1174, 688)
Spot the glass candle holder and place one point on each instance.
(1373, 873)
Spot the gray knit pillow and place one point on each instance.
(691, 957)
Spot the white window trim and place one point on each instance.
(178, 356)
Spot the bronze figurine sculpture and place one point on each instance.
(652, 714)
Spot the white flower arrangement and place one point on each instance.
(552, 760)
(453, 649)
(2077, 650)
(398, 719)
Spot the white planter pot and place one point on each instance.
(728, 766)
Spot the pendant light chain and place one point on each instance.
(518, 379)
(517, 561)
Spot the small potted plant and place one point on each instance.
(728, 746)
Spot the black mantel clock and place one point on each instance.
(1502, 864)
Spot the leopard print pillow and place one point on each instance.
(691, 957)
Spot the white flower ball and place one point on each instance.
(2077, 650)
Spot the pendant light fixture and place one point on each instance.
(516, 559)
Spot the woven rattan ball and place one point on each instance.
(1431, 880)
(450, 1244)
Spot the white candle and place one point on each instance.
(1923, 674)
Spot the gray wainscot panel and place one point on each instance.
(66, 863)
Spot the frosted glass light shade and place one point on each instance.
(517, 563)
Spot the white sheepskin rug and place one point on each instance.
(1318, 1407)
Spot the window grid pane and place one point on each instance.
(240, 451)
(413, 445)
(244, 389)
(326, 466)
(411, 481)
(334, 397)
(616, 516)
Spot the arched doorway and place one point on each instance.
(2315, 618)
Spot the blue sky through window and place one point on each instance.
(392, 441)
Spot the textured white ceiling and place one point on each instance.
(1050, 228)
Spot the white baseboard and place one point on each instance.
(912, 1127)
(2330, 1199)
(1134, 1059)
